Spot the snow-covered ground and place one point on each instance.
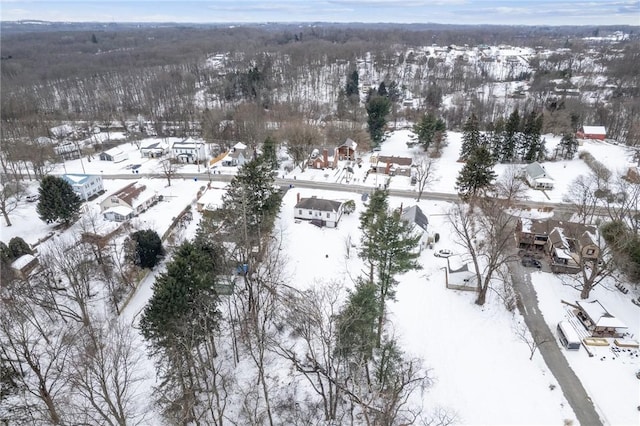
(481, 368)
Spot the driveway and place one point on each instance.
(551, 353)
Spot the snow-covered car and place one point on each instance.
(443, 253)
(32, 198)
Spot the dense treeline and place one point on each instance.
(170, 73)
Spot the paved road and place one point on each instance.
(558, 208)
(551, 352)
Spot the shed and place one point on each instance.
(598, 320)
(24, 265)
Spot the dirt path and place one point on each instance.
(551, 353)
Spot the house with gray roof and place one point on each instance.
(320, 211)
(415, 216)
(537, 177)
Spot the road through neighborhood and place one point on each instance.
(551, 353)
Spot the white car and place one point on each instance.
(443, 253)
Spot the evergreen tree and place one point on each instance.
(184, 307)
(569, 146)
(532, 148)
(352, 84)
(145, 248)
(269, 151)
(510, 140)
(388, 246)
(378, 108)
(252, 201)
(495, 140)
(357, 323)
(382, 90)
(471, 137)
(428, 128)
(57, 200)
(477, 174)
(18, 247)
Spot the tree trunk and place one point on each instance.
(6, 218)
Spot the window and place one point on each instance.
(328, 215)
(590, 252)
(310, 213)
(300, 211)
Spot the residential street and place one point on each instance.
(551, 352)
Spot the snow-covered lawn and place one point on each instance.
(481, 368)
(608, 376)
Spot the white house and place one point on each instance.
(537, 177)
(85, 186)
(189, 151)
(153, 149)
(129, 201)
(416, 217)
(114, 154)
(324, 212)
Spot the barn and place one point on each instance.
(592, 132)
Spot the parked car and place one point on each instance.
(32, 198)
(528, 261)
(443, 253)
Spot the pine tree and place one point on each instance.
(378, 108)
(388, 246)
(352, 84)
(477, 174)
(471, 138)
(428, 128)
(357, 323)
(495, 140)
(57, 200)
(146, 248)
(382, 90)
(569, 146)
(532, 148)
(269, 152)
(252, 202)
(183, 308)
(510, 140)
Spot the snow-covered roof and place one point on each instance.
(349, 143)
(594, 130)
(22, 261)
(188, 143)
(561, 253)
(319, 204)
(240, 145)
(121, 210)
(115, 151)
(61, 131)
(536, 171)
(599, 315)
(76, 179)
(416, 216)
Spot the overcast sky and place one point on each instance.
(514, 12)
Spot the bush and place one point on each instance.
(597, 167)
(18, 247)
(145, 248)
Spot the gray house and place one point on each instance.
(537, 177)
(416, 217)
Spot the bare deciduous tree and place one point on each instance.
(534, 338)
(11, 191)
(582, 195)
(301, 139)
(486, 232)
(169, 169)
(510, 187)
(105, 374)
(424, 168)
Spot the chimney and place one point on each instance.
(298, 197)
(325, 157)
